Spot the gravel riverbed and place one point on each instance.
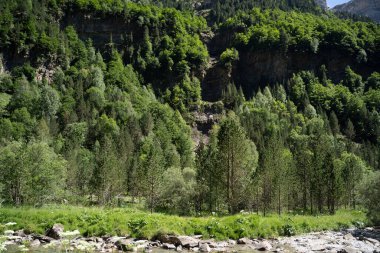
(56, 240)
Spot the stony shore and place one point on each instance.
(345, 241)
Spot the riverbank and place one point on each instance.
(135, 223)
(345, 241)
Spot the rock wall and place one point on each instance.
(369, 8)
(259, 68)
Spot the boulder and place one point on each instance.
(244, 241)
(42, 238)
(35, 243)
(125, 245)
(318, 247)
(20, 233)
(348, 236)
(231, 242)
(373, 241)
(263, 246)
(203, 247)
(349, 250)
(115, 239)
(168, 246)
(179, 248)
(55, 231)
(184, 241)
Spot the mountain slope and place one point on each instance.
(369, 8)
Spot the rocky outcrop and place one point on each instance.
(322, 4)
(259, 68)
(368, 8)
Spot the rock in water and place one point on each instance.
(55, 231)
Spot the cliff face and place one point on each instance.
(368, 8)
(321, 3)
(260, 68)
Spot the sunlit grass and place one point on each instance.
(98, 221)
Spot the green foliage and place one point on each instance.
(123, 221)
(301, 32)
(229, 56)
(371, 194)
(31, 174)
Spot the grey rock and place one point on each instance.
(244, 241)
(349, 236)
(349, 250)
(371, 240)
(155, 244)
(231, 242)
(125, 245)
(369, 8)
(20, 233)
(42, 238)
(55, 231)
(204, 247)
(263, 246)
(169, 246)
(187, 241)
(35, 243)
(114, 239)
(318, 247)
(179, 248)
(184, 241)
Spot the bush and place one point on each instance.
(229, 56)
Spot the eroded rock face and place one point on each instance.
(368, 8)
(322, 4)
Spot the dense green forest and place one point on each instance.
(117, 123)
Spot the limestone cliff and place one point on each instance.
(368, 8)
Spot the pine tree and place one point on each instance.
(238, 160)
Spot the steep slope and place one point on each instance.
(322, 3)
(368, 8)
(271, 51)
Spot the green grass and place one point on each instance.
(126, 221)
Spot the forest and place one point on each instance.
(116, 125)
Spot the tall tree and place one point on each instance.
(238, 160)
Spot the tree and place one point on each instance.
(108, 176)
(50, 101)
(371, 196)
(352, 169)
(334, 123)
(177, 191)
(353, 81)
(31, 173)
(238, 159)
(151, 170)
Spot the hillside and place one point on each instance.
(263, 106)
(367, 8)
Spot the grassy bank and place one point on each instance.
(124, 221)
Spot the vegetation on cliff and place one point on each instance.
(114, 124)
